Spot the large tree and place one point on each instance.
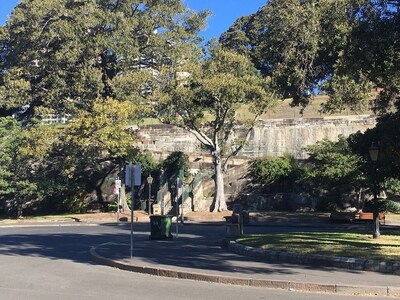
(206, 99)
(59, 56)
(344, 48)
(19, 188)
(94, 62)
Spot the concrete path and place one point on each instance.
(197, 254)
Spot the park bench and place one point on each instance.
(369, 217)
(340, 216)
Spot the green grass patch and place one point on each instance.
(345, 244)
(283, 110)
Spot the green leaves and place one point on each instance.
(348, 46)
(63, 55)
(334, 163)
(271, 169)
(205, 99)
(105, 128)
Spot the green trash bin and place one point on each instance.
(160, 227)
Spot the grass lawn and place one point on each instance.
(283, 110)
(345, 244)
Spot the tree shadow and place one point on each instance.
(198, 248)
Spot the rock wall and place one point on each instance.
(272, 137)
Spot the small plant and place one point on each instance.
(112, 206)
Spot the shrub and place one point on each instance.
(271, 169)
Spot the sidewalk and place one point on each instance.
(197, 254)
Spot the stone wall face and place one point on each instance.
(167, 138)
(271, 137)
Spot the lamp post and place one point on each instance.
(149, 181)
(374, 155)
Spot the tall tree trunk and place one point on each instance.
(219, 203)
(122, 194)
(122, 199)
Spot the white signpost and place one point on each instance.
(118, 185)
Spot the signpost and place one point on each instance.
(118, 185)
(133, 177)
(178, 186)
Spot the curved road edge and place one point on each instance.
(247, 281)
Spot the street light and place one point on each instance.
(374, 155)
(149, 181)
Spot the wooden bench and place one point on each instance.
(367, 216)
(339, 216)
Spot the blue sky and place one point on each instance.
(225, 12)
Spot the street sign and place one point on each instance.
(128, 175)
(137, 175)
(118, 184)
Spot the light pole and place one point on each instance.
(374, 155)
(149, 181)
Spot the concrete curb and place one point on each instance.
(313, 259)
(247, 281)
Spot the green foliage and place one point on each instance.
(96, 63)
(73, 204)
(63, 55)
(204, 98)
(334, 163)
(148, 164)
(387, 135)
(173, 164)
(104, 128)
(17, 185)
(328, 203)
(392, 185)
(390, 206)
(271, 169)
(349, 46)
(112, 206)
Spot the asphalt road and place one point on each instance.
(51, 262)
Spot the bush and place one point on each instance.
(391, 206)
(271, 169)
(174, 163)
(112, 206)
(327, 204)
(73, 204)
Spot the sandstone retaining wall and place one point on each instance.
(272, 137)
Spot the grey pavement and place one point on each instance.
(197, 254)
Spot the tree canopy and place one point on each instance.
(343, 48)
(59, 56)
(95, 63)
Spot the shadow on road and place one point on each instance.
(198, 247)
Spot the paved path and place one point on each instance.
(197, 254)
